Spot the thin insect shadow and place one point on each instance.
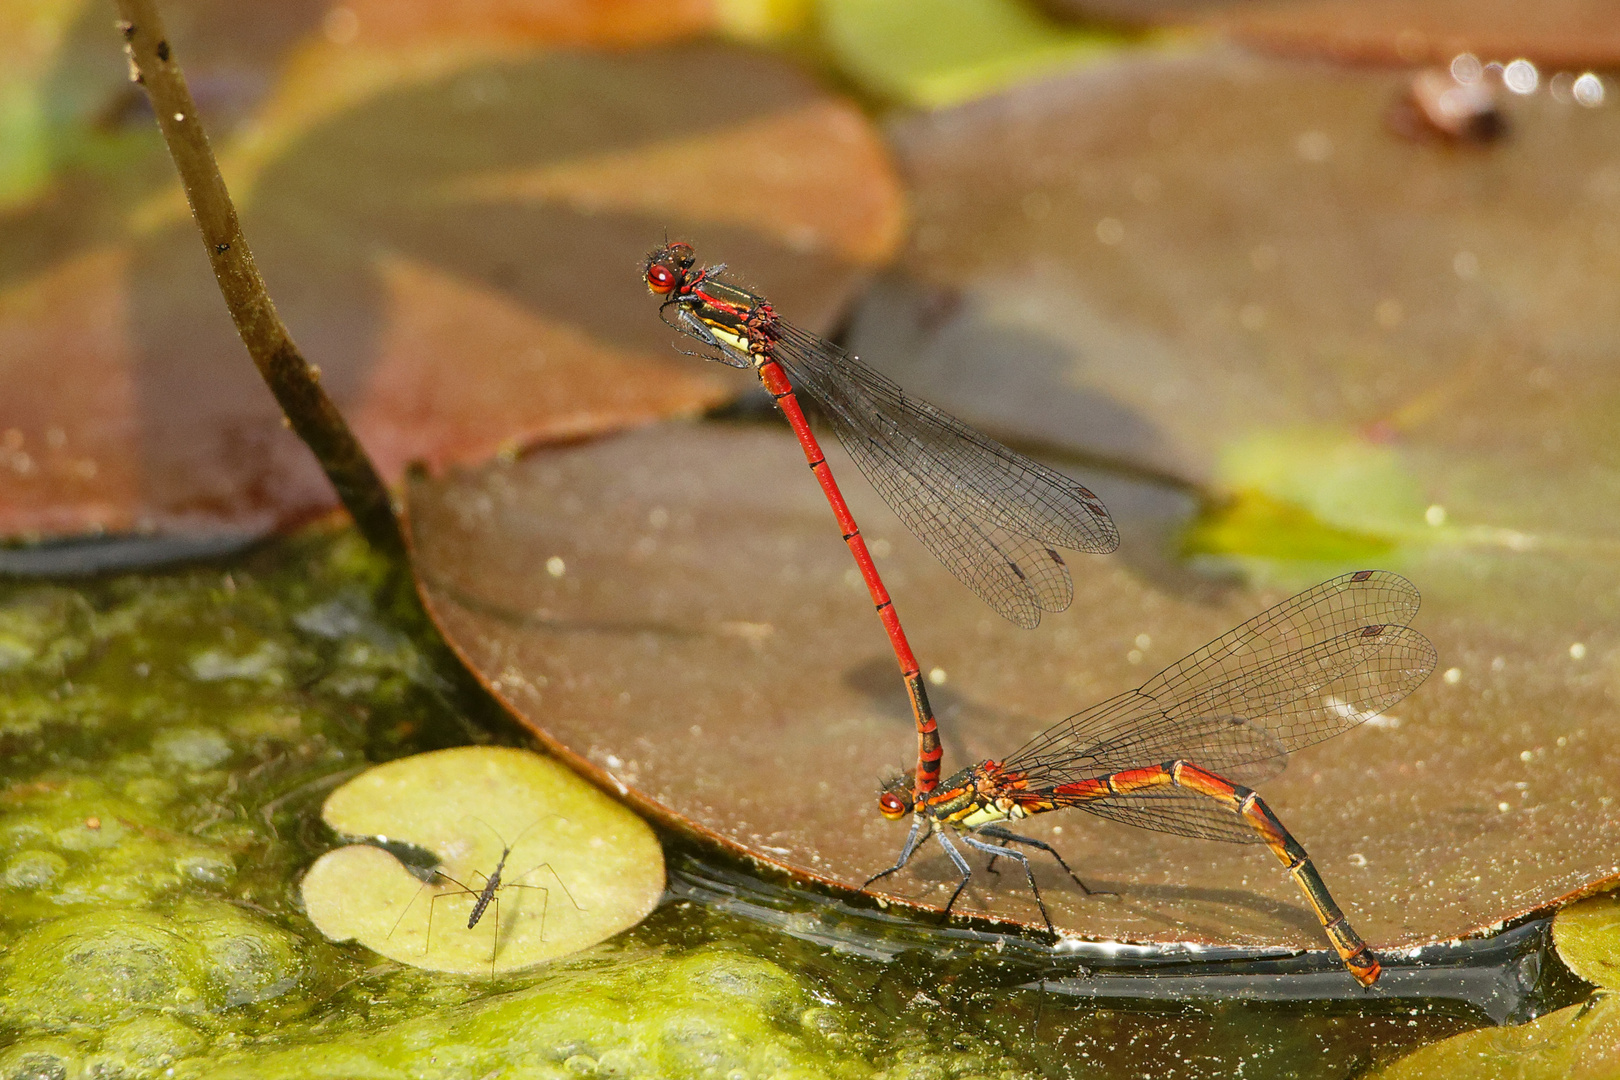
(485, 898)
(1148, 900)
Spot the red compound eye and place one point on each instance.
(659, 278)
(891, 806)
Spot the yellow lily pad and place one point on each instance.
(578, 867)
(1587, 935)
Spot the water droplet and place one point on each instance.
(1587, 90)
(1521, 77)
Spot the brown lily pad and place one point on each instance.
(448, 215)
(672, 610)
(1560, 34)
(1225, 269)
(1155, 259)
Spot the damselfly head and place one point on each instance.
(894, 802)
(667, 266)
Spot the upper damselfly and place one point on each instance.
(1175, 754)
(992, 516)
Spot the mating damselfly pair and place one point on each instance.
(1176, 754)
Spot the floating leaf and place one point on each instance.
(672, 609)
(1587, 934)
(942, 52)
(1559, 33)
(579, 869)
(1226, 270)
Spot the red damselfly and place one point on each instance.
(993, 517)
(1175, 754)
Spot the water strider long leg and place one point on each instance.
(1248, 805)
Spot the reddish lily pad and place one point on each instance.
(672, 610)
(448, 216)
(1558, 33)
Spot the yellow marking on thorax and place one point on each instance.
(982, 815)
(730, 337)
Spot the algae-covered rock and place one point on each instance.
(102, 966)
(73, 844)
(145, 1046)
(713, 1011)
(245, 959)
(574, 866)
(40, 1059)
(1581, 1042)
(98, 967)
(1587, 935)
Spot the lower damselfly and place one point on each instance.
(1176, 755)
(992, 516)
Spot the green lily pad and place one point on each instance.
(1581, 1042)
(579, 869)
(1587, 934)
(936, 53)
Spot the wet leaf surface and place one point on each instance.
(575, 867)
(1140, 12)
(449, 216)
(1588, 938)
(673, 610)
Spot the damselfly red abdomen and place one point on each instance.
(1175, 754)
(993, 517)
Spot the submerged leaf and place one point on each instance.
(1587, 934)
(1581, 1042)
